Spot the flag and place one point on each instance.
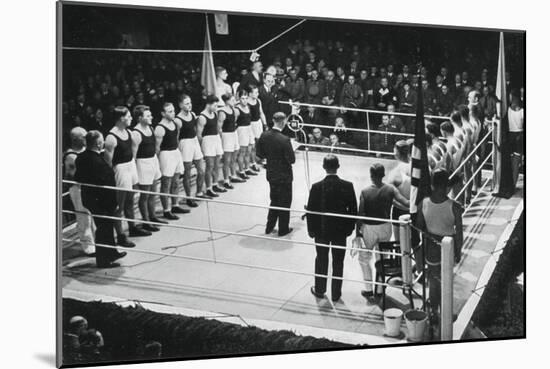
(502, 170)
(420, 175)
(222, 25)
(208, 74)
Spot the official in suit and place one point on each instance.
(331, 195)
(276, 148)
(268, 97)
(92, 168)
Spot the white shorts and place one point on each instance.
(245, 135)
(148, 170)
(190, 149)
(230, 141)
(212, 145)
(170, 163)
(257, 128)
(126, 175)
(375, 233)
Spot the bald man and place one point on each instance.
(84, 222)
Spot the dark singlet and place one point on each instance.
(170, 139)
(377, 203)
(229, 122)
(188, 128)
(123, 150)
(254, 111)
(146, 148)
(211, 126)
(244, 118)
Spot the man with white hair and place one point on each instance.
(84, 222)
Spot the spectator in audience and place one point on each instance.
(384, 141)
(456, 87)
(396, 119)
(92, 168)
(254, 77)
(444, 102)
(384, 95)
(294, 86)
(71, 338)
(312, 115)
(352, 97)
(488, 103)
(335, 143)
(428, 97)
(313, 89)
(407, 99)
(344, 136)
(317, 138)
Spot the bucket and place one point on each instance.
(416, 324)
(392, 322)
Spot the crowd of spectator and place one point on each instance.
(311, 72)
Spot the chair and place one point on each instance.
(388, 269)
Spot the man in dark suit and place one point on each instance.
(254, 77)
(331, 195)
(92, 168)
(276, 148)
(268, 97)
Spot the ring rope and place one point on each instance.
(477, 195)
(346, 149)
(295, 104)
(211, 230)
(225, 202)
(473, 151)
(194, 258)
(343, 129)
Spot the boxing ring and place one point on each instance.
(217, 262)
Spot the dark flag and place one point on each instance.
(420, 175)
(502, 169)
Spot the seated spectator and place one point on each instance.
(344, 136)
(294, 86)
(488, 103)
(335, 143)
(407, 99)
(311, 115)
(384, 95)
(428, 97)
(444, 102)
(71, 338)
(317, 138)
(314, 88)
(352, 97)
(385, 141)
(396, 119)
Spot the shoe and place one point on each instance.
(316, 294)
(243, 176)
(211, 193)
(168, 215)
(250, 172)
(336, 298)
(204, 196)
(191, 203)
(367, 294)
(284, 233)
(150, 228)
(123, 241)
(157, 220)
(120, 255)
(139, 232)
(105, 265)
(228, 185)
(178, 210)
(236, 180)
(269, 229)
(217, 188)
(255, 167)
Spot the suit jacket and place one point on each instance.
(276, 148)
(92, 168)
(250, 80)
(269, 102)
(331, 195)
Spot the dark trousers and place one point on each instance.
(321, 265)
(104, 234)
(280, 194)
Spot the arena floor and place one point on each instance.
(273, 299)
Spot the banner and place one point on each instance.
(222, 25)
(208, 74)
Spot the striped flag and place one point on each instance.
(420, 175)
(208, 74)
(503, 163)
(222, 25)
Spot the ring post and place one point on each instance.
(405, 245)
(368, 134)
(447, 275)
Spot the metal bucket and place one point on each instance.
(416, 321)
(392, 321)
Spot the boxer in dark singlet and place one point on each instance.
(230, 140)
(208, 132)
(190, 148)
(257, 123)
(244, 135)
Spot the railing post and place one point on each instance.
(447, 275)
(368, 133)
(405, 245)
